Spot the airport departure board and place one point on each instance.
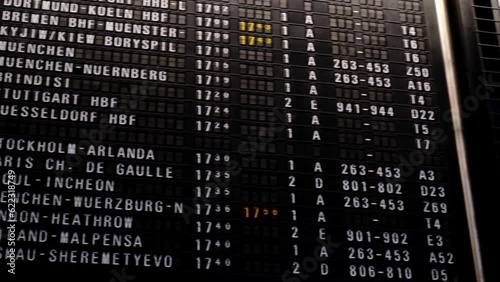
(229, 140)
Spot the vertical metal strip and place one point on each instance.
(453, 93)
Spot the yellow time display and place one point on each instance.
(256, 41)
(258, 212)
(255, 27)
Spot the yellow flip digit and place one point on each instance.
(243, 40)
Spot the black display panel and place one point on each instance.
(253, 139)
(477, 49)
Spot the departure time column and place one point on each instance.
(212, 126)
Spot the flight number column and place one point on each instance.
(367, 121)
